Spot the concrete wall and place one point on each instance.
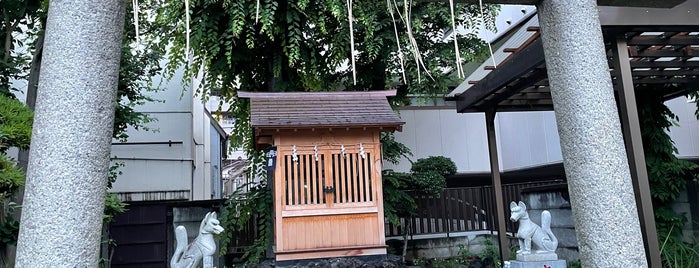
(440, 246)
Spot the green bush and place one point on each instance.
(440, 164)
(429, 182)
(15, 124)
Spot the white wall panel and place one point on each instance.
(686, 135)
(153, 175)
(435, 132)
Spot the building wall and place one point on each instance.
(524, 139)
(439, 131)
(527, 139)
(686, 133)
(173, 158)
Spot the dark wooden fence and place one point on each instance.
(460, 210)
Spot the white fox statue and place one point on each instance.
(201, 249)
(531, 236)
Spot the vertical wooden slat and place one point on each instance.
(317, 177)
(297, 182)
(370, 172)
(290, 164)
(338, 179)
(351, 179)
(306, 179)
(333, 169)
(343, 179)
(312, 180)
(286, 179)
(325, 177)
(362, 179)
(446, 193)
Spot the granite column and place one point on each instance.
(71, 140)
(594, 156)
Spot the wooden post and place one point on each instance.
(631, 128)
(497, 185)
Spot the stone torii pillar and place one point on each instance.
(594, 156)
(69, 157)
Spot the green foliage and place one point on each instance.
(15, 131)
(428, 174)
(138, 66)
(667, 174)
(19, 18)
(9, 229)
(678, 253)
(428, 182)
(574, 264)
(397, 202)
(112, 207)
(491, 251)
(438, 164)
(253, 206)
(15, 124)
(489, 256)
(392, 150)
(301, 46)
(11, 176)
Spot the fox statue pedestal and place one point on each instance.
(537, 244)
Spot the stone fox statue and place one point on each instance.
(529, 233)
(202, 248)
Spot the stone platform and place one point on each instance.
(552, 256)
(538, 264)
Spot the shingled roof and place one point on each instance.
(295, 110)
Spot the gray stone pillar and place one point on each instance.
(69, 156)
(601, 192)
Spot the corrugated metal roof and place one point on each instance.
(321, 110)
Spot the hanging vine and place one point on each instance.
(667, 176)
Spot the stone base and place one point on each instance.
(551, 256)
(538, 264)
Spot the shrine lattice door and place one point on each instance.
(328, 201)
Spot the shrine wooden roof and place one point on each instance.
(307, 110)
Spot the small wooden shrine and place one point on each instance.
(328, 199)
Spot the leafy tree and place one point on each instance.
(301, 45)
(19, 18)
(15, 131)
(305, 46)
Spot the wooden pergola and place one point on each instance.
(644, 47)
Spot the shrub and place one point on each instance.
(440, 164)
